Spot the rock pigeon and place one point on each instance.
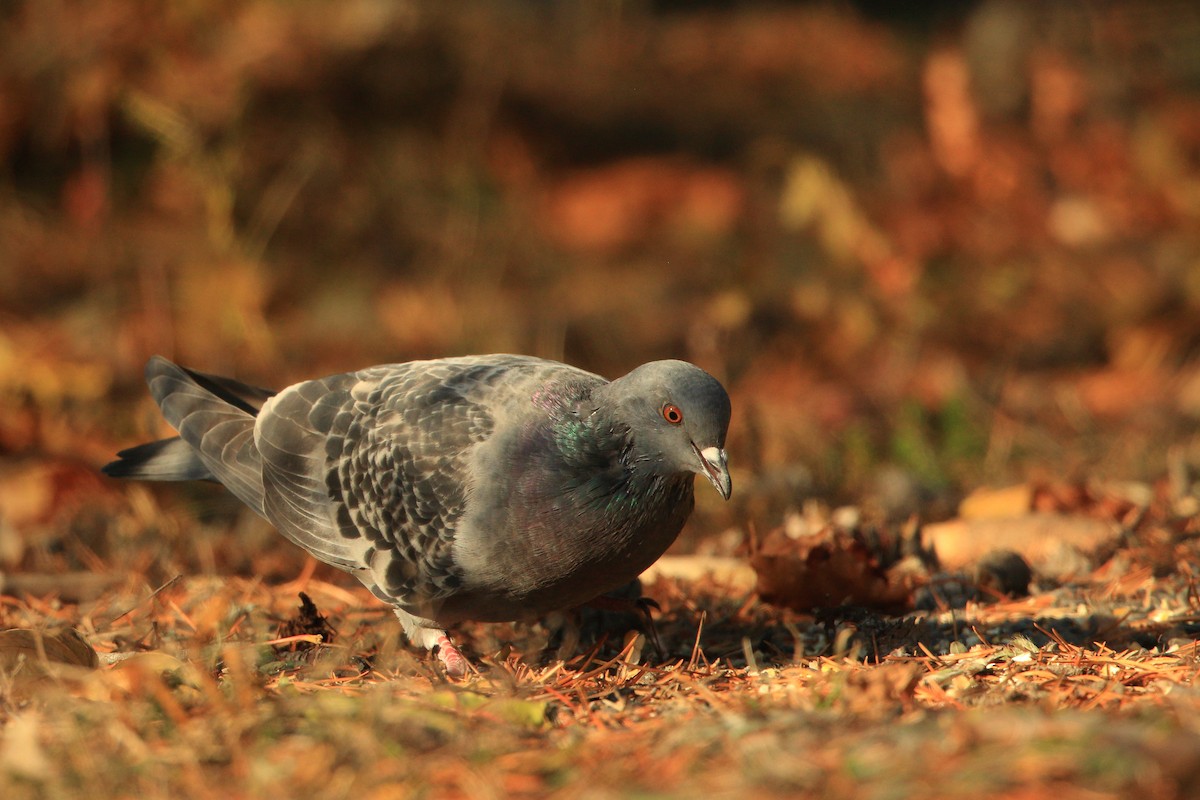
(486, 488)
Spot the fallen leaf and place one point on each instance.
(826, 569)
(30, 656)
(67, 647)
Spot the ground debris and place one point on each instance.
(305, 631)
(835, 566)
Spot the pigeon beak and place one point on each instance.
(712, 459)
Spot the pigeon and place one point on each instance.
(486, 488)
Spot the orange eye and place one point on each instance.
(672, 414)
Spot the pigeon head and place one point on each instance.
(679, 415)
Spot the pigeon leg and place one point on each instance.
(623, 605)
(431, 638)
(451, 657)
(628, 599)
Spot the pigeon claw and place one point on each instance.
(645, 604)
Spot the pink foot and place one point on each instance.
(452, 659)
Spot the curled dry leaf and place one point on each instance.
(31, 655)
(829, 568)
(66, 647)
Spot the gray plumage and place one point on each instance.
(485, 488)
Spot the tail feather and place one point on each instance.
(215, 419)
(164, 460)
(240, 395)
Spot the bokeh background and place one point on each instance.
(927, 247)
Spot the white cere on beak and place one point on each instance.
(715, 469)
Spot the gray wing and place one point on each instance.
(370, 471)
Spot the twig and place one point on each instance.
(138, 605)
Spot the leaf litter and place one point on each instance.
(291, 688)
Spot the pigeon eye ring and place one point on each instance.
(672, 414)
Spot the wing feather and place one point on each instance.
(370, 471)
(293, 454)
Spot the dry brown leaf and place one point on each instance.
(1113, 502)
(826, 569)
(67, 647)
(30, 656)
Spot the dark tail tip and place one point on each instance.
(116, 469)
(164, 460)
